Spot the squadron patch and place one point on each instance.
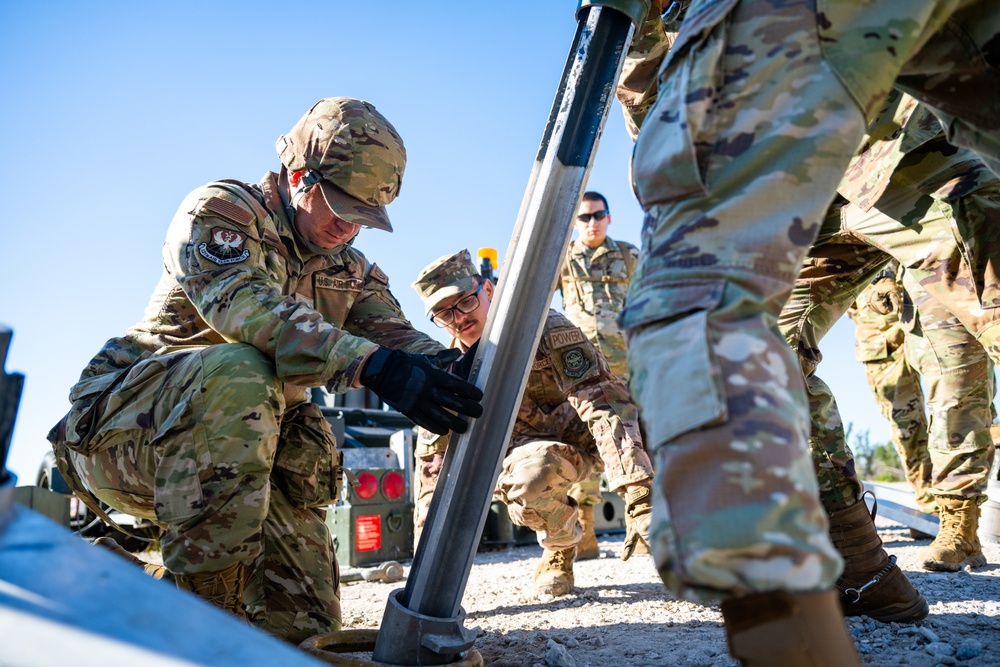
(226, 247)
(575, 362)
(377, 274)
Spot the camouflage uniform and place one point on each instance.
(575, 417)
(593, 282)
(755, 100)
(198, 417)
(928, 214)
(960, 390)
(895, 383)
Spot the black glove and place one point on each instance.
(416, 385)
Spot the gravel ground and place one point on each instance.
(621, 615)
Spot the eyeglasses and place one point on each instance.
(596, 215)
(465, 305)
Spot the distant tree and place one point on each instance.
(877, 462)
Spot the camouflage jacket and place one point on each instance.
(906, 144)
(234, 272)
(904, 139)
(593, 283)
(572, 397)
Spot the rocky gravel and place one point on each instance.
(621, 615)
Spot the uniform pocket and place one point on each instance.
(308, 467)
(675, 379)
(671, 159)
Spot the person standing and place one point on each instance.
(199, 417)
(593, 281)
(881, 345)
(746, 128)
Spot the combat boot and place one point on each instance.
(554, 575)
(224, 588)
(871, 585)
(587, 549)
(152, 569)
(957, 544)
(780, 629)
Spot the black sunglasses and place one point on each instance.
(596, 215)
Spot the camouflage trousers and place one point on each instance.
(761, 106)
(960, 391)
(190, 439)
(896, 387)
(534, 484)
(922, 233)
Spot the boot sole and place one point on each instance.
(916, 611)
(977, 560)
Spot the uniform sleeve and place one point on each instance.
(377, 316)
(234, 281)
(601, 400)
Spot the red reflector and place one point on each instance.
(393, 485)
(367, 486)
(368, 532)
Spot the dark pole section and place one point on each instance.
(10, 397)
(423, 622)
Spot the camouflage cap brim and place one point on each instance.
(460, 286)
(354, 210)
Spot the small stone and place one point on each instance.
(940, 649)
(557, 656)
(929, 634)
(969, 649)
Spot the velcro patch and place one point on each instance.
(228, 210)
(541, 364)
(226, 246)
(377, 274)
(575, 362)
(564, 338)
(343, 284)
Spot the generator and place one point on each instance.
(373, 521)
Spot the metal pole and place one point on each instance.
(423, 623)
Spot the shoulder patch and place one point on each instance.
(378, 274)
(565, 337)
(226, 246)
(228, 210)
(575, 362)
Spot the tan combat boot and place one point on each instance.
(780, 629)
(152, 569)
(957, 544)
(587, 549)
(871, 585)
(554, 575)
(224, 588)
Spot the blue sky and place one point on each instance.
(113, 111)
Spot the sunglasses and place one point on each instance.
(596, 215)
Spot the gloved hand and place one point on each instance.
(885, 297)
(417, 386)
(638, 509)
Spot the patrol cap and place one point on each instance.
(445, 277)
(354, 151)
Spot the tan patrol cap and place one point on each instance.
(445, 277)
(355, 151)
